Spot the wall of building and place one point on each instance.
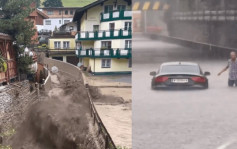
(117, 66)
(71, 42)
(56, 13)
(55, 22)
(93, 18)
(87, 44)
(118, 24)
(7, 51)
(117, 43)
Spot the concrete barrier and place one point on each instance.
(214, 50)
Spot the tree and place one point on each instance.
(13, 14)
(53, 3)
(37, 3)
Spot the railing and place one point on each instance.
(60, 51)
(206, 15)
(116, 15)
(109, 144)
(108, 53)
(101, 35)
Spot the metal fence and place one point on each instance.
(109, 144)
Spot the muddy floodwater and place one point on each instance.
(181, 119)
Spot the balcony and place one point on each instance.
(109, 53)
(102, 35)
(116, 15)
(61, 51)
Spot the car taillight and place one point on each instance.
(162, 79)
(199, 79)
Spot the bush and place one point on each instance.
(3, 65)
(44, 45)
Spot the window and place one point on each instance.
(60, 21)
(128, 25)
(71, 12)
(128, 44)
(57, 44)
(96, 28)
(130, 63)
(66, 21)
(66, 12)
(47, 22)
(50, 12)
(108, 8)
(106, 63)
(106, 44)
(121, 7)
(60, 12)
(111, 26)
(66, 45)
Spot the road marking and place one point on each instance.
(224, 146)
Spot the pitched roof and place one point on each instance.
(5, 36)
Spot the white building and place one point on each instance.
(57, 17)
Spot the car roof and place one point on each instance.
(179, 63)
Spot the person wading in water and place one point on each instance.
(232, 65)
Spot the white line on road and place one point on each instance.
(224, 146)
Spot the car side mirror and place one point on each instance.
(207, 73)
(153, 73)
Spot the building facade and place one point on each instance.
(62, 47)
(104, 41)
(37, 17)
(57, 17)
(206, 21)
(69, 27)
(7, 51)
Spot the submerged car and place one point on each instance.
(179, 74)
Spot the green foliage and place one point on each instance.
(44, 45)
(3, 64)
(120, 147)
(38, 3)
(15, 23)
(5, 147)
(23, 63)
(53, 3)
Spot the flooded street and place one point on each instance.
(181, 119)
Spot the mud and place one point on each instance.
(98, 97)
(60, 121)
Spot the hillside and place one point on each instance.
(75, 3)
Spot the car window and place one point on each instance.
(180, 69)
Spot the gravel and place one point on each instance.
(5, 102)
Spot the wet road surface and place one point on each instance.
(181, 119)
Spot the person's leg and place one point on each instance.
(231, 83)
(235, 83)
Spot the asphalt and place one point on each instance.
(181, 119)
